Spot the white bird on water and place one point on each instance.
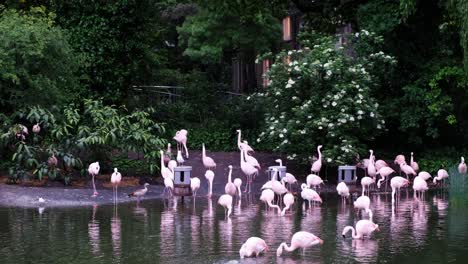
(93, 170)
(139, 193)
(115, 180)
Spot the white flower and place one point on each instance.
(289, 52)
(329, 160)
(290, 81)
(303, 132)
(272, 128)
(360, 112)
(278, 93)
(372, 114)
(336, 97)
(379, 126)
(334, 103)
(281, 135)
(320, 127)
(296, 68)
(248, 97)
(357, 34)
(256, 60)
(258, 140)
(351, 118)
(329, 73)
(285, 130)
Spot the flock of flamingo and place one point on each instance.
(277, 193)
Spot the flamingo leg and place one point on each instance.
(95, 193)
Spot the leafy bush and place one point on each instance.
(90, 131)
(321, 95)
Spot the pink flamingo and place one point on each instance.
(181, 138)
(208, 162)
(267, 197)
(366, 181)
(384, 172)
(364, 228)
(414, 164)
(209, 175)
(116, 177)
(225, 201)
(424, 175)
(399, 159)
(180, 158)
(371, 170)
(168, 154)
(288, 200)
(230, 188)
(238, 184)
(301, 239)
(408, 170)
(396, 183)
(317, 165)
(242, 146)
(249, 170)
(310, 195)
(363, 164)
(380, 164)
(313, 180)
(343, 190)
(168, 186)
(165, 171)
(462, 166)
(93, 170)
(290, 180)
(194, 185)
(441, 175)
(363, 203)
(419, 185)
(253, 246)
(251, 160)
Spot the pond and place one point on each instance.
(165, 231)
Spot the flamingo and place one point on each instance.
(242, 146)
(168, 154)
(419, 185)
(194, 185)
(208, 162)
(180, 159)
(209, 175)
(288, 200)
(249, 170)
(268, 196)
(441, 175)
(250, 159)
(343, 190)
(165, 172)
(462, 166)
(371, 170)
(363, 164)
(363, 228)
(116, 177)
(238, 184)
(379, 164)
(399, 159)
(181, 138)
(366, 181)
(413, 163)
(363, 203)
(317, 165)
(309, 194)
(230, 188)
(384, 172)
(171, 165)
(314, 180)
(225, 200)
(424, 175)
(408, 170)
(290, 180)
(301, 239)
(139, 193)
(169, 186)
(93, 170)
(396, 183)
(253, 246)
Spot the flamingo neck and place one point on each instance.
(353, 232)
(229, 176)
(320, 154)
(287, 248)
(242, 158)
(239, 138)
(284, 209)
(229, 211)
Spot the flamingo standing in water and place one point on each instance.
(116, 177)
(225, 200)
(181, 138)
(251, 159)
(462, 166)
(249, 170)
(371, 170)
(310, 195)
(301, 239)
(384, 172)
(441, 175)
(317, 165)
(363, 203)
(267, 197)
(366, 181)
(242, 146)
(414, 164)
(313, 180)
(208, 162)
(209, 175)
(238, 184)
(93, 170)
(396, 183)
(288, 200)
(408, 170)
(419, 185)
(253, 246)
(379, 164)
(139, 193)
(290, 180)
(194, 185)
(230, 188)
(364, 228)
(169, 186)
(343, 190)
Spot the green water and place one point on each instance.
(430, 231)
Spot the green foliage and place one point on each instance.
(37, 65)
(222, 27)
(91, 131)
(380, 16)
(322, 96)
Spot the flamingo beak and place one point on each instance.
(321, 241)
(344, 236)
(377, 229)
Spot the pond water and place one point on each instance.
(174, 232)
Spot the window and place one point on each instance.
(287, 28)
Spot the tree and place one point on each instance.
(37, 64)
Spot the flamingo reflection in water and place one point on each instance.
(116, 231)
(362, 250)
(93, 233)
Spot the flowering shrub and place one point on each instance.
(322, 94)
